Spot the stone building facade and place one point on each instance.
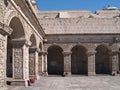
(35, 43)
(21, 40)
(79, 42)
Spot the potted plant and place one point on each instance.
(32, 80)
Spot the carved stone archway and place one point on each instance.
(17, 53)
(17, 36)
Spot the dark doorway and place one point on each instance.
(9, 62)
(79, 60)
(55, 61)
(102, 58)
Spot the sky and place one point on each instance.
(92, 5)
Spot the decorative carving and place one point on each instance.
(9, 15)
(32, 64)
(18, 63)
(2, 59)
(28, 43)
(5, 29)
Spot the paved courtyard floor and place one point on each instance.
(74, 83)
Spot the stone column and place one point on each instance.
(20, 54)
(45, 63)
(40, 63)
(114, 62)
(67, 63)
(91, 63)
(3, 55)
(33, 63)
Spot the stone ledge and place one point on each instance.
(18, 82)
(91, 74)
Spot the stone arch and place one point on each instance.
(48, 46)
(55, 60)
(16, 38)
(103, 59)
(79, 60)
(18, 29)
(82, 45)
(33, 41)
(9, 16)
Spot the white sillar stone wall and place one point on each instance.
(3, 41)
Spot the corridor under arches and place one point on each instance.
(17, 35)
(55, 61)
(79, 60)
(102, 58)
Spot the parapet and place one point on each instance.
(109, 12)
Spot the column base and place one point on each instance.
(67, 74)
(34, 76)
(3, 88)
(18, 82)
(91, 73)
(114, 73)
(45, 74)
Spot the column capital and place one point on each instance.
(6, 30)
(20, 42)
(34, 49)
(90, 53)
(114, 52)
(28, 43)
(45, 53)
(65, 53)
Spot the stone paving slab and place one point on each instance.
(75, 83)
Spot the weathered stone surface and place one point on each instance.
(32, 64)
(18, 63)
(65, 29)
(2, 60)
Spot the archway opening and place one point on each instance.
(17, 35)
(55, 60)
(79, 60)
(102, 58)
(9, 61)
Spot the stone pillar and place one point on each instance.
(67, 63)
(20, 54)
(3, 55)
(45, 63)
(114, 62)
(91, 63)
(33, 63)
(40, 63)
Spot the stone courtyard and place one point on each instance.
(100, 82)
(37, 43)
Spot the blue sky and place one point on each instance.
(92, 5)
